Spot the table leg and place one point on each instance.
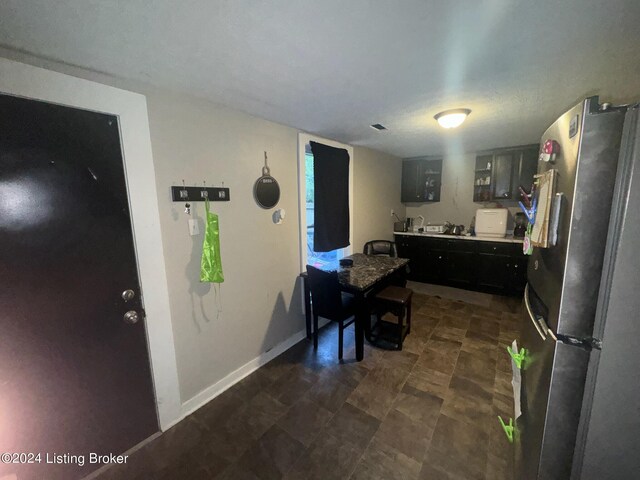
(307, 306)
(362, 312)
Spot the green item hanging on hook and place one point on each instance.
(211, 265)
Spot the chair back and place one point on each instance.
(325, 292)
(380, 247)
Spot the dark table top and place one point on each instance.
(366, 271)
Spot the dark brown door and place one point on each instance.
(74, 376)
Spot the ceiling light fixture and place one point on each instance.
(452, 118)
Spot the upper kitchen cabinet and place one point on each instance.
(502, 175)
(500, 172)
(526, 168)
(421, 180)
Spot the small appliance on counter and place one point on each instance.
(435, 228)
(399, 227)
(491, 222)
(418, 227)
(409, 224)
(454, 229)
(521, 223)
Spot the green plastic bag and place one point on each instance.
(211, 265)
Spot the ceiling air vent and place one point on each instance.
(377, 126)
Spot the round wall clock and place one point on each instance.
(266, 190)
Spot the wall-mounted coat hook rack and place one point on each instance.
(199, 194)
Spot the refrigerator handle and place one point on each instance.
(539, 322)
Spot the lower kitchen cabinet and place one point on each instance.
(485, 266)
(460, 271)
(408, 248)
(460, 263)
(492, 272)
(432, 257)
(432, 265)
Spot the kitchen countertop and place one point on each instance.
(507, 239)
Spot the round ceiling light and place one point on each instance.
(452, 118)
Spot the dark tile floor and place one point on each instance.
(427, 412)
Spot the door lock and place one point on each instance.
(128, 295)
(131, 317)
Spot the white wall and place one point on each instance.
(377, 191)
(258, 305)
(256, 308)
(260, 298)
(456, 197)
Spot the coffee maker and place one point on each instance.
(409, 224)
(521, 223)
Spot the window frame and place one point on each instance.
(303, 141)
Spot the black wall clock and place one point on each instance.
(266, 190)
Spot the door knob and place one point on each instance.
(131, 317)
(128, 295)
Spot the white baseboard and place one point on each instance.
(234, 377)
(128, 453)
(219, 387)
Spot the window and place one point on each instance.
(305, 169)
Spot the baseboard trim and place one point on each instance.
(208, 394)
(128, 453)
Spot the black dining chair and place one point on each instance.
(328, 301)
(380, 247)
(386, 248)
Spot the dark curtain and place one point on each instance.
(331, 197)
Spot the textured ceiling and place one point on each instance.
(335, 67)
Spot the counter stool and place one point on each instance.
(395, 300)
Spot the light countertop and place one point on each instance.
(507, 239)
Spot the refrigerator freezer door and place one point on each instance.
(552, 385)
(567, 276)
(610, 420)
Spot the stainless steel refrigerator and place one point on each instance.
(580, 391)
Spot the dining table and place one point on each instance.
(365, 276)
